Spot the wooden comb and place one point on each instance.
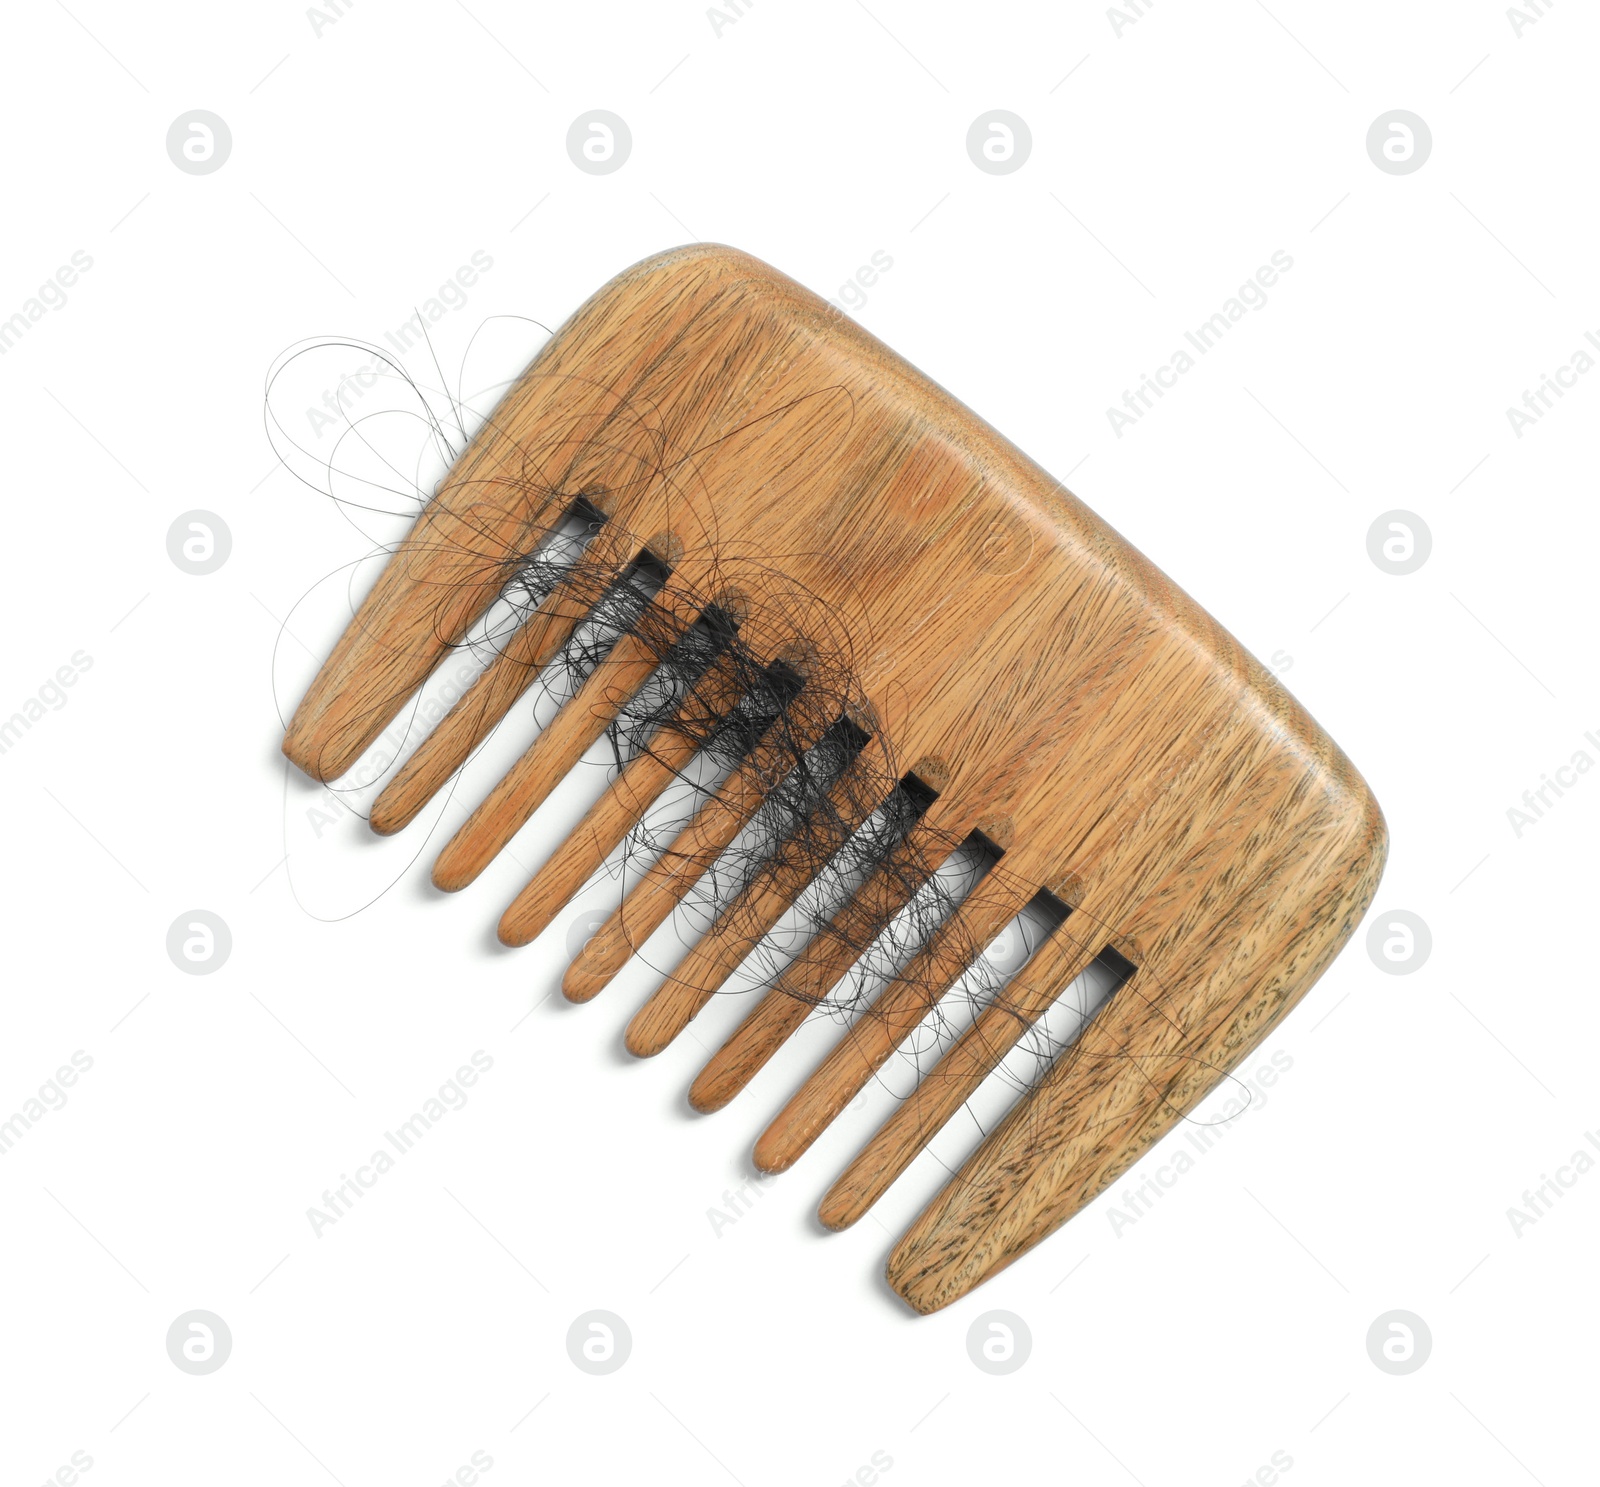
(986, 660)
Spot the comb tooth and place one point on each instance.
(1059, 960)
(612, 817)
(866, 1047)
(667, 881)
(955, 1078)
(480, 709)
(1100, 1104)
(442, 578)
(815, 971)
(582, 719)
(1156, 1048)
(720, 951)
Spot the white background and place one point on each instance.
(1171, 157)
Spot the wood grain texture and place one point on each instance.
(1088, 716)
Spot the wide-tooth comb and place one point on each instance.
(909, 637)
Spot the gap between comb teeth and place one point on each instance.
(805, 983)
(1037, 989)
(632, 658)
(906, 998)
(694, 849)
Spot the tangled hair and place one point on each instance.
(839, 873)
